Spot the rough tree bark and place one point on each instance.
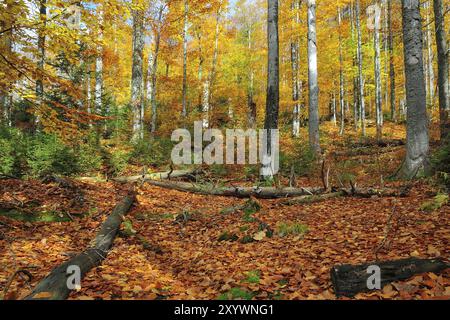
(312, 79)
(417, 143)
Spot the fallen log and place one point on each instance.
(157, 176)
(342, 192)
(348, 280)
(313, 198)
(239, 192)
(54, 285)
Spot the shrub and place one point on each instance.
(440, 161)
(301, 158)
(153, 151)
(13, 149)
(119, 160)
(48, 155)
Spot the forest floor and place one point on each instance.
(184, 259)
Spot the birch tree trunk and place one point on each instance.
(362, 111)
(251, 119)
(272, 98)
(391, 64)
(417, 143)
(98, 90)
(137, 73)
(155, 69)
(6, 48)
(341, 76)
(207, 87)
(377, 72)
(312, 79)
(295, 69)
(443, 81)
(41, 58)
(185, 35)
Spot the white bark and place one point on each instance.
(312, 79)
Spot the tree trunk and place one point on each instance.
(155, 70)
(312, 79)
(272, 99)
(429, 44)
(417, 143)
(349, 280)
(41, 57)
(377, 72)
(158, 176)
(341, 76)
(55, 285)
(137, 73)
(251, 119)
(239, 192)
(185, 35)
(295, 72)
(443, 82)
(391, 63)
(362, 111)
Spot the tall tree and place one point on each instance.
(296, 83)
(417, 143)
(313, 86)
(377, 73)
(443, 82)
(391, 63)
(185, 40)
(98, 90)
(341, 75)
(207, 86)
(41, 56)
(272, 94)
(362, 109)
(158, 30)
(137, 72)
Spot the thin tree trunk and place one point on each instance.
(251, 119)
(362, 111)
(98, 90)
(137, 73)
(185, 35)
(41, 57)
(207, 87)
(377, 63)
(429, 66)
(312, 79)
(391, 64)
(443, 82)
(155, 70)
(295, 72)
(341, 76)
(417, 143)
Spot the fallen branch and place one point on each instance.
(349, 192)
(349, 280)
(157, 176)
(54, 286)
(239, 192)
